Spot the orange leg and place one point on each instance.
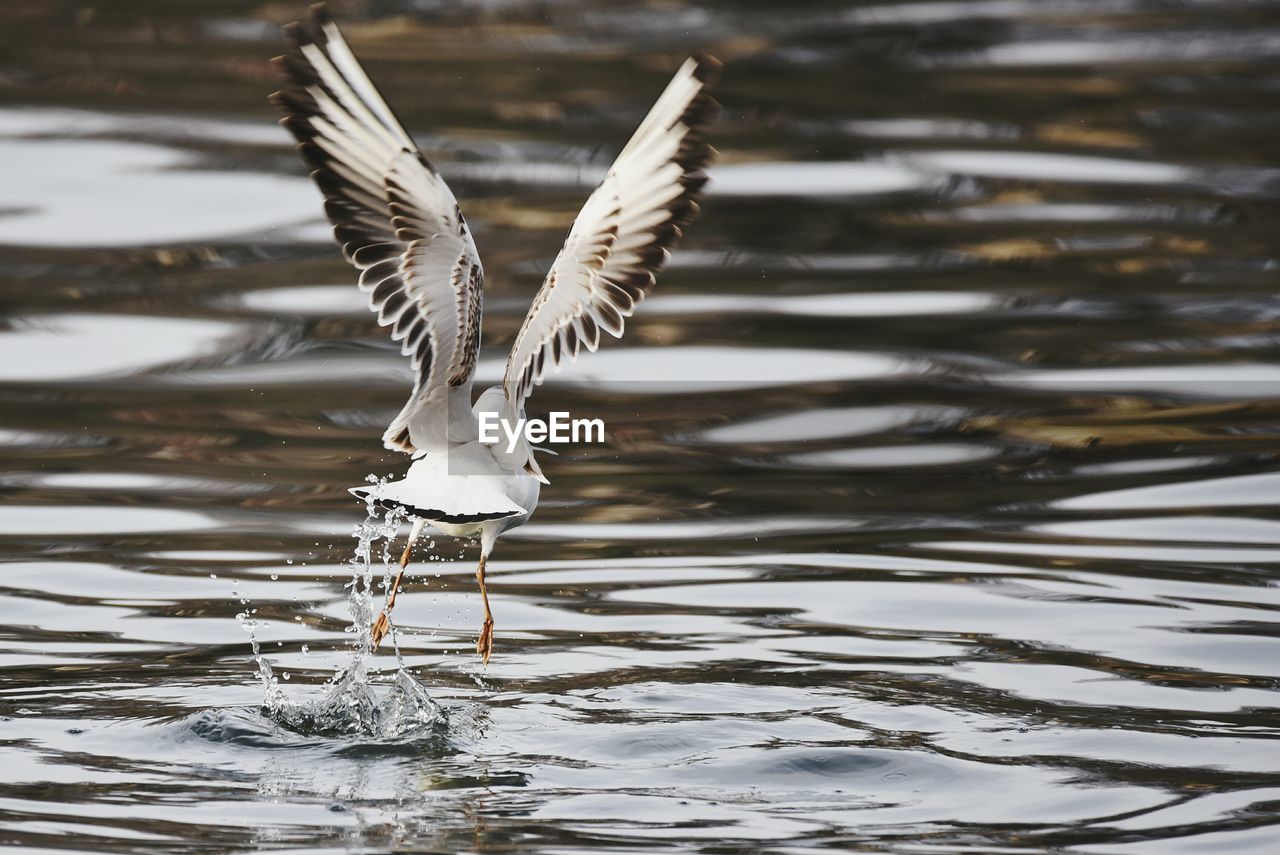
(383, 624)
(484, 645)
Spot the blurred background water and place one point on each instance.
(938, 511)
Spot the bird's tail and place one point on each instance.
(482, 512)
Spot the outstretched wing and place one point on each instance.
(397, 223)
(621, 238)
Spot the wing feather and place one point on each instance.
(621, 238)
(398, 224)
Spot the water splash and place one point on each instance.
(349, 704)
(273, 693)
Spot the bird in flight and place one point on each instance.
(400, 226)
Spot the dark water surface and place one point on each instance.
(939, 507)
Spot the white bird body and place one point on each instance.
(400, 226)
(465, 491)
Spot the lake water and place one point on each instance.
(939, 507)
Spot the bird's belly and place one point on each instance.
(472, 529)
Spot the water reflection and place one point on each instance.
(70, 191)
(68, 346)
(939, 507)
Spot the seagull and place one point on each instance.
(400, 226)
